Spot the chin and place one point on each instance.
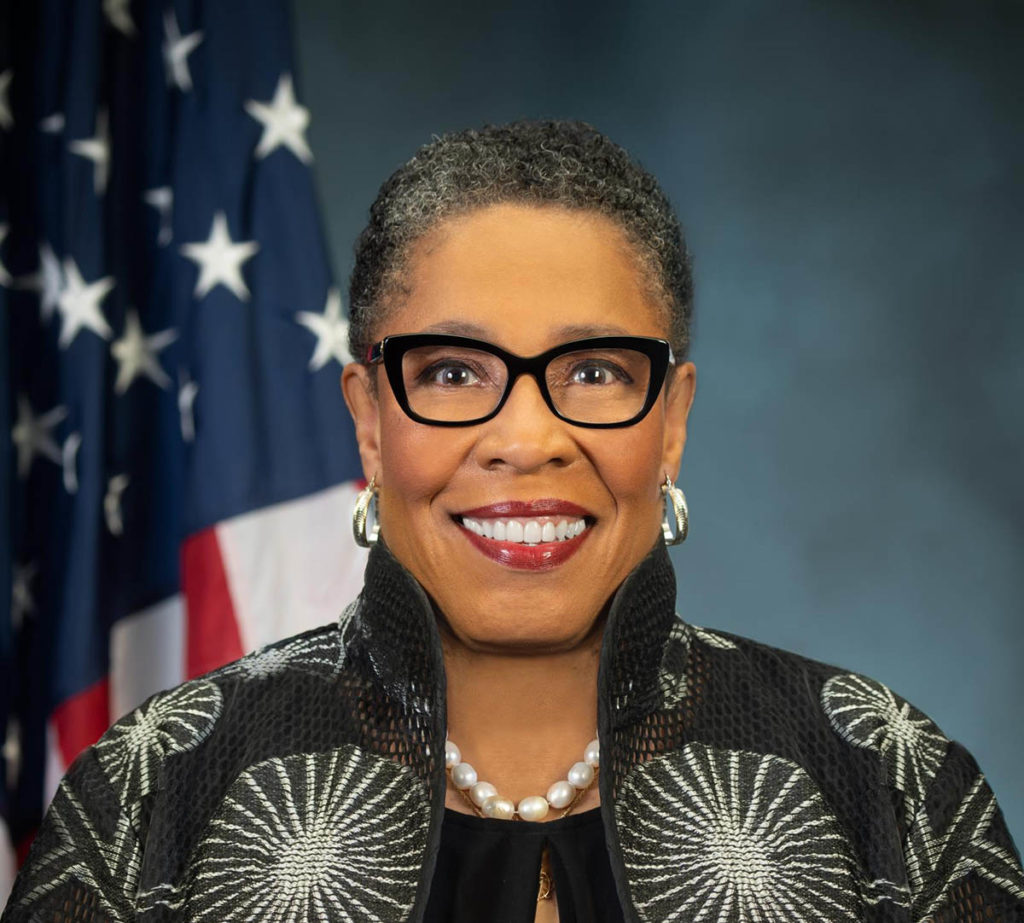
(515, 634)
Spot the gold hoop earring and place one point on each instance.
(363, 531)
(675, 499)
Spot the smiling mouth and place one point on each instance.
(527, 535)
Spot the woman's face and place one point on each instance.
(525, 279)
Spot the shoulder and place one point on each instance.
(795, 695)
(178, 720)
(319, 651)
(835, 722)
(784, 674)
(781, 678)
(869, 801)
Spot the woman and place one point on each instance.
(521, 298)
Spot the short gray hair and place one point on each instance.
(562, 163)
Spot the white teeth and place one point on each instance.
(526, 531)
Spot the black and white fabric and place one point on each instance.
(739, 783)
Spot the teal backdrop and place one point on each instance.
(851, 179)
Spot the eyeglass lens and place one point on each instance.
(453, 384)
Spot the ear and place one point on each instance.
(678, 400)
(362, 404)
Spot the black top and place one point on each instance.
(489, 870)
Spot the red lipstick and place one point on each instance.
(540, 556)
(545, 507)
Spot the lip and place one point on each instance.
(544, 556)
(540, 557)
(545, 507)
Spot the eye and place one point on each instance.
(449, 375)
(593, 372)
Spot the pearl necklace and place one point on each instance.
(485, 798)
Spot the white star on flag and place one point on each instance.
(187, 391)
(331, 331)
(12, 747)
(162, 199)
(79, 305)
(48, 282)
(119, 16)
(6, 119)
(220, 259)
(69, 455)
(5, 276)
(53, 124)
(284, 122)
(112, 503)
(96, 149)
(22, 603)
(31, 435)
(136, 354)
(177, 48)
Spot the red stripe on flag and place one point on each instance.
(82, 719)
(22, 849)
(212, 637)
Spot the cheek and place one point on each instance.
(630, 467)
(417, 462)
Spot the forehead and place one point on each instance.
(526, 277)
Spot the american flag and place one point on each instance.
(181, 468)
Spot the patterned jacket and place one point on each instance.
(738, 783)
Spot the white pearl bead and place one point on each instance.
(533, 808)
(481, 792)
(561, 794)
(581, 775)
(452, 755)
(464, 775)
(501, 808)
(592, 755)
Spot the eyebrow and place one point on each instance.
(457, 328)
(567, 332)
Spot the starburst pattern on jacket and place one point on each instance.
(672, 674)
(84, 853)
(867, 714)
(727, 835)
(320, 653)
(170, 722)
(313, 836)
(935, 863)
(316, 656)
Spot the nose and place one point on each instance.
(526, 435)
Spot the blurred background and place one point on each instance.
(850, 176)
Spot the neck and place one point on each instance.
(522, 720)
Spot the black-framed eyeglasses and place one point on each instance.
(600, 382)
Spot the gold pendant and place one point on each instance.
(544, 885)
